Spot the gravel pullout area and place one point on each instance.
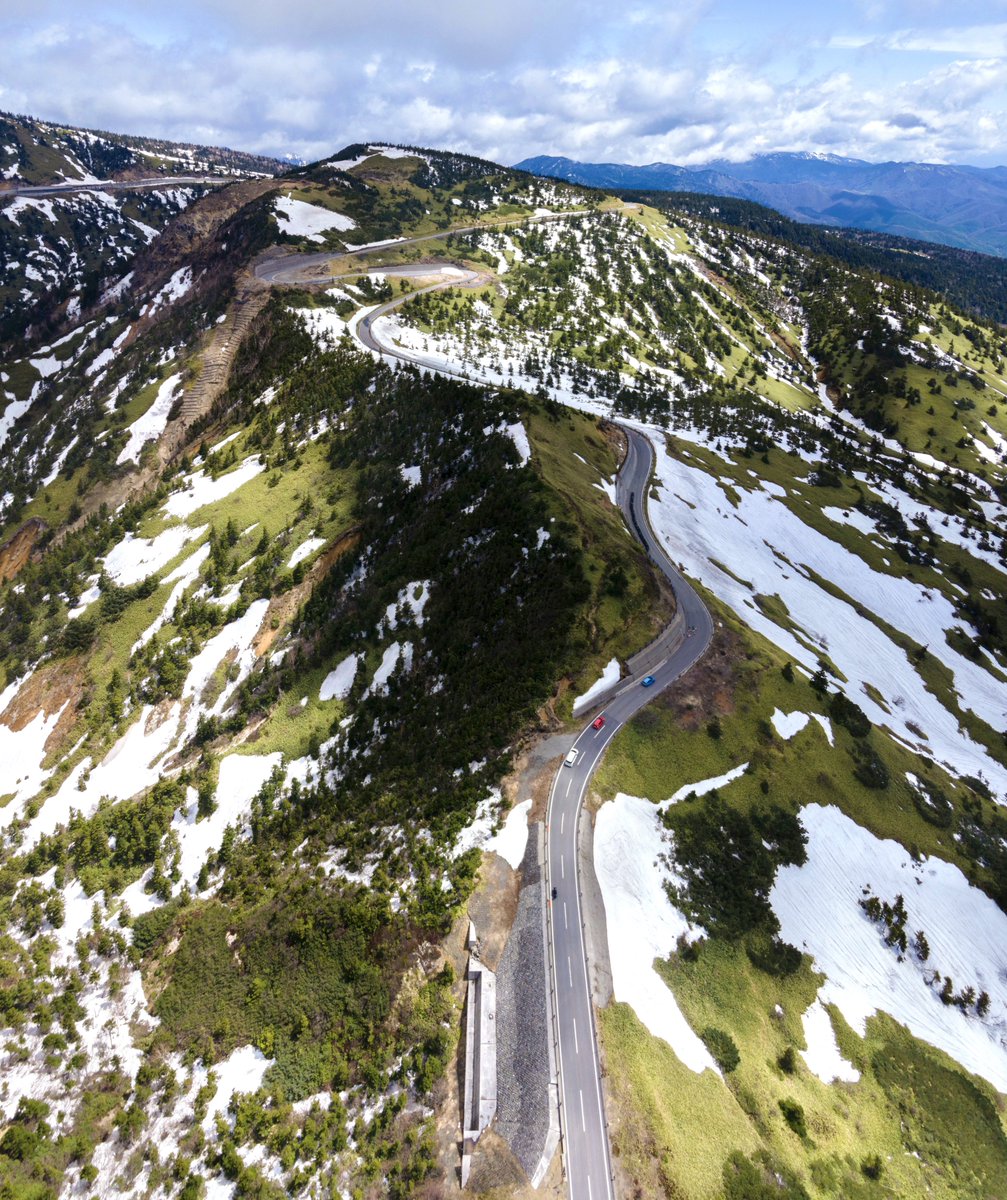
(522, 1023)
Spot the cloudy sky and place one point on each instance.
(682, 82)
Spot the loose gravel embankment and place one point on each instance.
(522, 1023)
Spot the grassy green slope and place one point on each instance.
(934, 1128)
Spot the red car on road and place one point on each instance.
(597, 722)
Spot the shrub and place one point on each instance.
(150, 926)
(760, 1177)
(688, 951)
(728, 859)
(872, 1166)
(851, 716)
(793, 1114)
(721, 1045)
(193, 1189)
(933, 804)
(773, 956)
(787, 1061)
(824, 477)
(870, 769)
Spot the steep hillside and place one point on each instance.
(957, 205)
(275, 619)
(61, 252)
(974, 282)
(831, 469)
(40, 152)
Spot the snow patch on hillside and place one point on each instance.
(22, 753)
(413, 598)
(11, 414)
(235, 643)
(818, 906)
(131, 765)
(29, 203)
(135, 558)
(822, 1055)
(177, 286)
(630, 858)
(201, 488)
(242, 1071)
(152, 424)
(309, 221)
(708, 785)
(608, 678)
(512, 840)
(336, 685)
(183, 576)
(396, 653)
(788, 725)
(241, 777)
(518, 435)
(305, 550)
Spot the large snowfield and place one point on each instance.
(818, 906)
(630, 859)
(309, 221)
(770, 551)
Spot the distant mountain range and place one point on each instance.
(956, 205)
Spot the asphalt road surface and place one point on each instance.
(300, 268)
(109, 185)
(585, 1133)
(461, 277)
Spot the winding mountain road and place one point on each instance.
(585, 1132)
(304, 268)
(587, 1154)
(12, 191)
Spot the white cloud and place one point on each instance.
(982, 41)
(509, 79)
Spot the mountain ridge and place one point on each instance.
(961, 206)
(35, 151)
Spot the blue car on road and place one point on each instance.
(646, 681)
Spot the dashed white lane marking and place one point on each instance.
(569, 969)
(566, 923)
(562, 867)
(576, 1046)
(583, 1123)
(562, 821)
